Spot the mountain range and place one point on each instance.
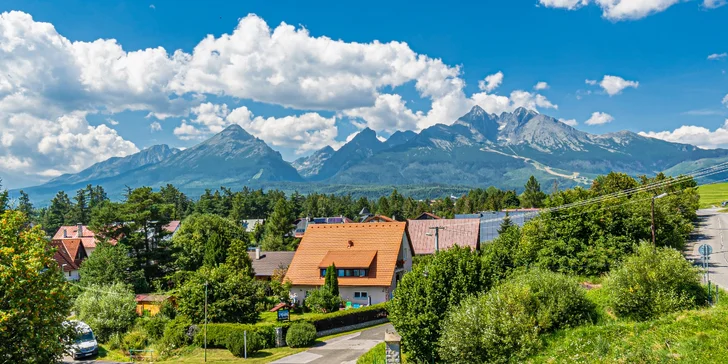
(477, 150)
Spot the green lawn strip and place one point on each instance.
(194, 354)
(695, 336)
(713, 194)
(374, 356)
(111, 355)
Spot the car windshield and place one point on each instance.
(86, 336)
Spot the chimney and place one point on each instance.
(65, 233)
(257, 253)
(79, 230)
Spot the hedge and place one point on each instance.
(218, 334)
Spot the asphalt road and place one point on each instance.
(341, 350)
(712, 229)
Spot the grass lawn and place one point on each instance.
(713, 194)
(694, 336)
(111, 355)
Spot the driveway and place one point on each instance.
(712, 229)
(69, 360)
(341, 350)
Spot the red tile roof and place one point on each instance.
(461, 232)
(348, 259)
(172, 226)
(151, 297)
(88, 237)
(69, 252)
(356, 239)
(379, 218)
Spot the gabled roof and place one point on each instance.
(270, 261)
(88, 237)
(151, 297)
(172, 226)
(358, 240)
(461, 232)
(427, 216)
(378, 218)
(69, 252)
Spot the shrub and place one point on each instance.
(237, 344)
(649, 284)
(107, 309)
(134, 340)
(503, 325)
(175, 333)
(301, 334)
(154, 326)
(427, 293)
(114, 341)
(348, 317)
(322, 300)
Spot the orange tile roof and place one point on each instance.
(88, 237)
(62, 257)
(348, 259)
(319, 240)
(461, 232)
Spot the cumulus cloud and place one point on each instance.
(613, 85)
(695, 135)
(569, 122)
(541, 86)
(564, 4)
(305, 133)
(619, 10)
(717, 56)
(599, 118)
(155, 126)
(491, 82)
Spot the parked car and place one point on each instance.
(85, 344)
(724, 204)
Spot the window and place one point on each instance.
(341, 273)
(348, 272)
(323, 273)
(360, 295)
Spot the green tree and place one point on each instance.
(107, 309)
(332, 280)
(24, 204)
(278, 227)
(79, 212)
(505, 224)
(215, 250)
(57, 213)
(34, 300)
(110, 264)
(427, 293)
(238, 258)
(190, 243)
(232, 296)
(532, 196)
(322, 300)
(4, 199)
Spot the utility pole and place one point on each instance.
(437, 236)
(205, 321)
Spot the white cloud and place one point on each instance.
(618, 10)
(717, 56)
(306, 132)
(151, 6)
(695, 135)
(569, 122)
(564, 4)
(613, 85)
(155, 126)
(541, 86)
(491, 82)
(112, 122)
(725, 100)
(599, 118)
(712, 4)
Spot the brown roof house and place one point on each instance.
(80, 232)
(69, 255)
(265, 263)
(450, 232)
(150, 302)
(370, 258)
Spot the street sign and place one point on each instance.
(705, 250)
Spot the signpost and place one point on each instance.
(705, 250)
(284, 315)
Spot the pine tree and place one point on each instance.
(4, 199)
(278, 226)
(24, 205)
(532, 196)
(331, 281)
(79, 212)
(505, 224)
(56, 214)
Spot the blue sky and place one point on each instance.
(72, 96)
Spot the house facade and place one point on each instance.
(370, 258)
(69, 254)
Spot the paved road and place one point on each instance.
(712, 229)
(69, 360)
(341, 350)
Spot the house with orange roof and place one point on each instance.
(450, 232)
(69, 255)
(80, 232)
(370, 259)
